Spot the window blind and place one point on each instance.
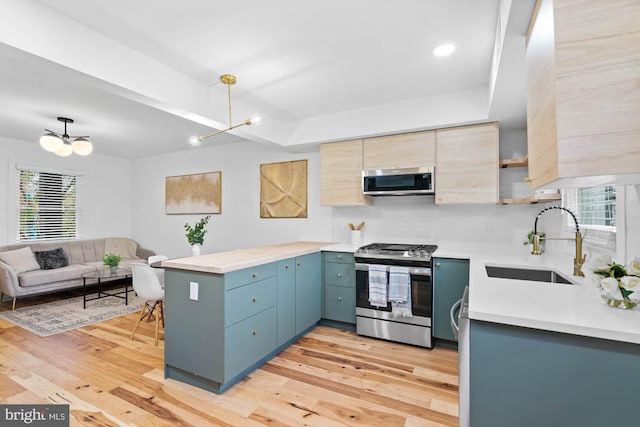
(593, 205)
(49, 204)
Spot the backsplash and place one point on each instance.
(417, 219)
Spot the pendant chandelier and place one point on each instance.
(61, 145)
(229, 80)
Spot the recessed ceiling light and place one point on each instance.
(444, 50)
(194, 140)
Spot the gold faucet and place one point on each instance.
(579, 259)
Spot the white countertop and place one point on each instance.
(573, 309)
(225, 262)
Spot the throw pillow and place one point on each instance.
(21, 260)
(52, 259)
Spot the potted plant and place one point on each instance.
(112, 260)
(195, 234)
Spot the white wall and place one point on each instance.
(126, 198)
(239, 225)
(108, 189)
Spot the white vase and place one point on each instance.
(195, 250)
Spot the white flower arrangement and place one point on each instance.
(619, 285)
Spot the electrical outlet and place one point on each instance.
(488, 228)
(193, 291)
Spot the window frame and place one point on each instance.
(15, 208)
(599, 238)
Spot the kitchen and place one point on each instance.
(458, 230)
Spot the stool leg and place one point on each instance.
(144, 306)
(157, 320)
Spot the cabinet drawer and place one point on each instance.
(344, 257)
(247, 300)
(249, 275)
(340, 303)
(339, 274)
(248, 341)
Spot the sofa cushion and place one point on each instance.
(21, 260)
(39, 277)
(124, 247)
(52, 259)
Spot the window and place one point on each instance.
(594, 206)
(49, 204)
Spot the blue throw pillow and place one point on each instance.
(49, 260)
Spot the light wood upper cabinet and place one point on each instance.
(341, 174)
(406, 150)
(583, 103)
(467, 164)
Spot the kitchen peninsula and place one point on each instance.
(228, 313)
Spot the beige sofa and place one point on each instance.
(22, 272)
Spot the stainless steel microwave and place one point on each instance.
(398, 182)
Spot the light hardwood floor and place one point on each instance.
(330, 377)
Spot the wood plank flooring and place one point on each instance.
(330, 377)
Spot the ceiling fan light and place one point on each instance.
(81, 146)
(51, 142)
(65, 150)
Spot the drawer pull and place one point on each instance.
(254, 275)
(255, 332)
(286, 266)
(339, 298)
(438, 264)
(339, 274)
(298, 263)
(254, 299)
(339, 256)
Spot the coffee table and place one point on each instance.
(106, 274)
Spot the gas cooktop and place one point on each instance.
(396, 251)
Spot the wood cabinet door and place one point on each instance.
(341, 174)
(407, 150)
(467, 164)
(542, 132)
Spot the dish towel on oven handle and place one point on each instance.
(378, 285)
(400, 291)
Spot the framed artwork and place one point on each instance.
(283, 189)
(199, 193)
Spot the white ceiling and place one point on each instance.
(141, 76)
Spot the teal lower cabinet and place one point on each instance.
(286, 300)
(339, 287)
(220, 327)
(450, 277)
(299, 296)
(526, 377)
(308, 291)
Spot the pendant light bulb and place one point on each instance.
(51, 142)
(65, 150)
(81, 146)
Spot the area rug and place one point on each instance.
(67, 314)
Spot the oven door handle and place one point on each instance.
(414, 271)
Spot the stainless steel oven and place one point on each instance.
(378, 321)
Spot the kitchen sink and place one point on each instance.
(535, 275)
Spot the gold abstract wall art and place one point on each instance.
(199, 193)
(283, 189)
